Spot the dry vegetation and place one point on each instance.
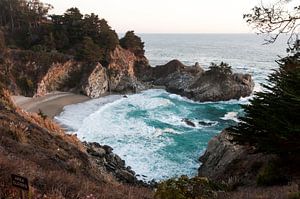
(56, 164)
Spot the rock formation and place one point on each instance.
(224, 160)
(104, 157)
(199, 85)
(40, 73)
(97, 83)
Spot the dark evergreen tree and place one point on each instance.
(89, 51)
(272, 119)
(133, 43)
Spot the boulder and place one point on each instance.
(97, 82)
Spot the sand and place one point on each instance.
(51, 104)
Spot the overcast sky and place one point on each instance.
(166, 16)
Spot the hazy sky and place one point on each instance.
(166, 16)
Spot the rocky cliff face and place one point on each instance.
(97, 82)
(121, 71)
(224, 160)
(57, 77)
(32, 73)
(199, 85)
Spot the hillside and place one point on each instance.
(56, 164)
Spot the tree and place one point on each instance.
(275, 19)
(89, 51)
(108, 38)
(271, 120)
(73, 22)
(133, 43)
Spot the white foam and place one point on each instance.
(160, 132)
(231, 116)
(142, 144)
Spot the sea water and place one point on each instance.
(148, 130)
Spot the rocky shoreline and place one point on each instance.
(224, 160)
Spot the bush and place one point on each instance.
(89, 51)
(271, 175)
(222, 69)
(188, 188)
(294, 195)
(133, 43)
(26, 85)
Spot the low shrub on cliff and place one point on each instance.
(222, 69)
(271, 175)
(189, 188)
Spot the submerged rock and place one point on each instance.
(204, 123)
(189, 122)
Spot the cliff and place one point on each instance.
(225, 160)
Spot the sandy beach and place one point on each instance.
(51, 104)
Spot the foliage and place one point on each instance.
(133, 43)
(26, 85)
(222, 69)
(188, 188)
(30, 27)
(89, 51)
(42, 114)
(2, 42)
(271, 121)
(278, 18)
(271, 175)
(295, 195)
(22, 14)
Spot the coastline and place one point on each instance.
(51, 104)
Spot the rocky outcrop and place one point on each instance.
(121, 71)
(57, 77)
(40, 73)
(199, 85)
(97, 82)
(225, 160)
(105, 158)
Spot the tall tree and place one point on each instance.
(133, 43)
(271, 120)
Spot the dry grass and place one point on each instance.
(275, 192)
(56, 164)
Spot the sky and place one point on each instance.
(166, 16)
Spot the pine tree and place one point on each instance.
(272, 119)
(133, 43)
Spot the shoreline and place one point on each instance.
(51, 104)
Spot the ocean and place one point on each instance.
(147, 129)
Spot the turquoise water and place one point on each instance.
(148, 130)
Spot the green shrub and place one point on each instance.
(294, 195)
(188, 188)
(26, 85)
(271, 175)
(133, 43)
(42, 114)
(223, 69)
